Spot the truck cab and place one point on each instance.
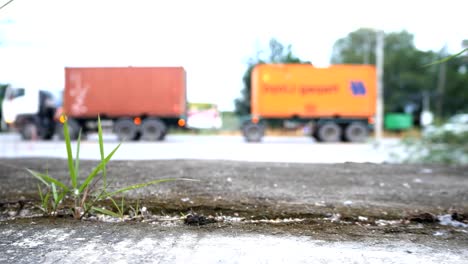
(29, 111)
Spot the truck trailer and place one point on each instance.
(140, 102)
(337, 102)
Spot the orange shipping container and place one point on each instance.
(125, 91)
(302, 90)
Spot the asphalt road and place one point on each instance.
(272, 149)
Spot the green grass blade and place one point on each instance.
(141, 185)
(101, 150)
(45, 203)
(137, 207)
(47, 179)
(106, 212)
(54, 193)
(40, 192)
(446, 59)
(114, 202)
(117, 206)
(69, 154)
(97, 169)
(60, 197)
(38, 176)
(44, 200)
(122, 206)
(77, 158)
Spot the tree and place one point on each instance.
(278, 54)
(456, 90)
(358, 47)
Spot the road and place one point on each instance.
(272, 149)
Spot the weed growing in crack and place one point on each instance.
(87, 194)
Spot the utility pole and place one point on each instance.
(379, 52)
(441, 83)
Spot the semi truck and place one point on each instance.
(137, 102)
(338, 103)
(30, 111)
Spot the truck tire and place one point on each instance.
(329, 132)
(125, 129)
(137, 136)
(153, 129)
(48, 130)
(29, 131)
(253, 132)
(356, 132)
(48, 136)
(73, 129)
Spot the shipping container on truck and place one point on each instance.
(338, 102)
(141, 102)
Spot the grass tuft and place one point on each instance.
(87, 194)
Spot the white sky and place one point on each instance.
(212, 39)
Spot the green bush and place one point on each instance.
(441, 148)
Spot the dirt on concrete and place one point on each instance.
(265, 189)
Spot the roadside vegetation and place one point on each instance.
(80, 199)
(442, 148)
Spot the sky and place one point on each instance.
(211, 39)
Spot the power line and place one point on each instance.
(6, 4)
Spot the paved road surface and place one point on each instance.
(272, 149)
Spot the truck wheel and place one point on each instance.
(29, 131)
(356, 132)
(329, 132)
(153, 129)
(73, 129)
(125, 129)
(253, 132)
(48, 136)
(137, 136)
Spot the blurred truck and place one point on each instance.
(337, 103)
(140, 102)
(137, 102)
(30, 111)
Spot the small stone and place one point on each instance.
(12, 213)
(24, 212)
(362, 218)
(198, 220)
(423, 218)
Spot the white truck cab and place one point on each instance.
(30, 111)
